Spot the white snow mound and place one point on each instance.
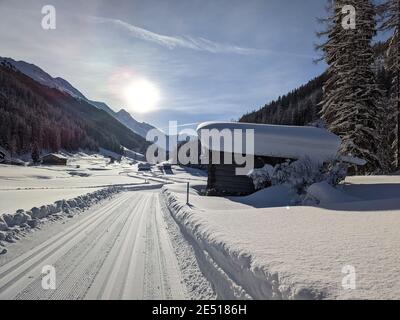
(276, 196)
(278, 141)
(325, 193)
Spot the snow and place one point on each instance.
(17, 224)
(197, 201)
(26, 199)
(44, 78)
(353, 160)
(140, 128)
(132, 246)
(325, 193)
(276, 196)
(297, 252)
(133, 154)
(281, 141)
(373, 187)
(26, 187)
(118, 249)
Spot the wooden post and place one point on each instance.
(187, 194)
(398, 94)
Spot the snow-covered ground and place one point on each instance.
(111, 241)
(285, 252)
(177, 174)
(26, 187)
(137, 244)
(11, 200)
(116, 250)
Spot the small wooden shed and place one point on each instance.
(272, 145)
(54, 159)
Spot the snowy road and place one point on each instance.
(118, 251)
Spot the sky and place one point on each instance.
(181, 60)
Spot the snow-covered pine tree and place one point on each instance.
(331, 53)
(391, 22)
(352, 104)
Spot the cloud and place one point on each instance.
(172, 42)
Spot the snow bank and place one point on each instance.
(230, 270)
(13, 225)
(324, 193)
(276, 196)
(293, 253)
(280, 141)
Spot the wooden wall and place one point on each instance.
(223, 181)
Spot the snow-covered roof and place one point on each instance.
(280, 141)
(55, 155)
(3, 150)
(4, 155)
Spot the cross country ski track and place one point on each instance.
(120, 250)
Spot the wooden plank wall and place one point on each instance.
(222, 178)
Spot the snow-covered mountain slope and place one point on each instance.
(141, 128)
(39, 75)
(71, 123)
(102, 106)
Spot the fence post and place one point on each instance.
(187, 194)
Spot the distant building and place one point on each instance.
(165, 167)
(272, 145)
(54, 159)
(4, 155)
(143, 166)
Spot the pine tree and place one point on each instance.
(35, 153)
(352, 103)
(390, 11)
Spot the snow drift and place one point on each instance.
(296, 252)
(325, 193)
(13, 225)
(276, 196)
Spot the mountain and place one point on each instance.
(60, 84)
(42, 77)
(49, 116)
(102, 106)
(141, 128)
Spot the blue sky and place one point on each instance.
(206, 60)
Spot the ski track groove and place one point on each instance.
(107, 273)
(9, 276)
(78, 262)
(117, 251)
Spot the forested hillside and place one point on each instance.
(32, 115)
(301, 106)
(298, 107)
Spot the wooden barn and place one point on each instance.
(54, 159)
(272, 145)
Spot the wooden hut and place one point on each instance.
(54, 159)
(272, 145)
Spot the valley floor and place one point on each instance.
(147, 243)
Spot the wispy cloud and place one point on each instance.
(171, 42)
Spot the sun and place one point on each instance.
(141, 96)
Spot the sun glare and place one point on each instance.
(141, 96)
